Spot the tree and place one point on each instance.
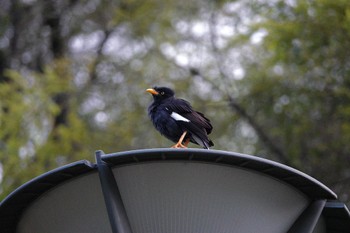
(73, 79)
(298, 86)
(272, 77)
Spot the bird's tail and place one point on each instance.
(205, 143)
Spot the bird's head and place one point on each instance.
(161, 93)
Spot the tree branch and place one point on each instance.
(93, 74)
(266, 140)
(235, 106)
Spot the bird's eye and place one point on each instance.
(162, 93)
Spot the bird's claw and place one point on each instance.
(178, 145)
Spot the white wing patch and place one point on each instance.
(178, 117)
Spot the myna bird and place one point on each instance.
(176, 120)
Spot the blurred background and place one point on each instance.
(273, 77)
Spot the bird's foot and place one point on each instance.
(178, 145)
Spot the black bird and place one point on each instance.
(175, 119)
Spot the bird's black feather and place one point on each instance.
(195, 123)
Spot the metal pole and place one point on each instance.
(307, 221)
(116, 211)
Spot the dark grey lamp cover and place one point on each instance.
(174, 191)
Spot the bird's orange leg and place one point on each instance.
(179, 143)
(186, 142)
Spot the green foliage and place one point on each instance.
(298, 92)
(74, 73)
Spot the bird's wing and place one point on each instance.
(180, 106)
(182, 111)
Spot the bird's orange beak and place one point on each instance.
(152, 91)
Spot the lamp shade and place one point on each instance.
(174, 191)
